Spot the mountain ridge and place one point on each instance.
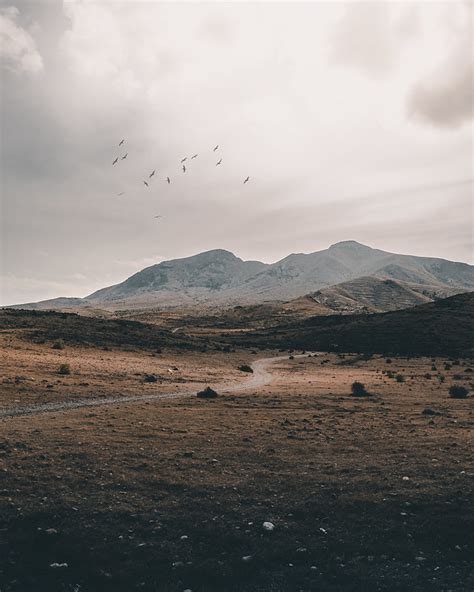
(219, 278)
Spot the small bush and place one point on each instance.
(58, 344)
(400, 378)
(458, 392)
(457, 377)
(64, 369)
(388, 361)
(358, 390)
(245, 368)
(150, 378)
(433, 368)
(207, 393)
(428, 376)
(441, 378)
(447, 366)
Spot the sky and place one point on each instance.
(352, 119)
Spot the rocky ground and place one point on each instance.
(295, 485)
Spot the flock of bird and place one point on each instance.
(146, 182)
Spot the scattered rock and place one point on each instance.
(268, 526)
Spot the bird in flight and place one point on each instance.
(122, 193)
(151, 174)
(216, 148)
(115, 161)
(184, 168)
(218, 163)
(124, 157)
(121, 142)
(184, 159)
(168, 179)
(195, 156)
(146, 183)
(158, 216)
(246, 180)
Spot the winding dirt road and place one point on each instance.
(261, 377)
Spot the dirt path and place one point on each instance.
(261, 376)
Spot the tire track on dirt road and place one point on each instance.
(261, 377)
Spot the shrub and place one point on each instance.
(458, 392)
(207, 393)
(64, 369)
(457, 377)
(58, 344)
(400, 378)
(428, 376)
(150, 378)
(433, 368)
(447, 366)
(358, 390)
(388, 361)
(245, 368)
(441, 378)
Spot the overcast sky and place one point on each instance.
(353, 121)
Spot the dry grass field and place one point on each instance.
(370, 493)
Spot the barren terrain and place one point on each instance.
(149, 493)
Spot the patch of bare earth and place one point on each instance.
(364, 493)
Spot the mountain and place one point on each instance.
(219, 278)
(200, 278)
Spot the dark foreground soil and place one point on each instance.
(365, 494)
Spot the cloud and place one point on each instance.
(363, 39)
(176, 79)
(18, 51)
(448, 101)
(444, 97)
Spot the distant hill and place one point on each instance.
(372, 294)
(441, 328)
(219, 278)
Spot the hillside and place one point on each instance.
(369, 294)
(444, 328)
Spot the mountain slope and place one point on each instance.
(443, 328)
(182, 280)
(369, 294)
